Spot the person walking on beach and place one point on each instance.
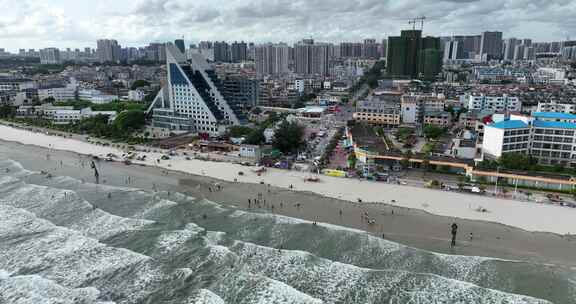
(454, 232)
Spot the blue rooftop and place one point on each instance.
(510, 124)
(554, 124)
(554, 115)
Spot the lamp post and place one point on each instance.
(497, 178)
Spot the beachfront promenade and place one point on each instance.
(528, 216)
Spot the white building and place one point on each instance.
(548, 137)
(251, 151)
(95, 96)
(554, 106)
(136, 95)
(493, 103)
(58, 93)
(50, 56)
(191, 100)
(550, 76)
(413, 107)
(71, 116)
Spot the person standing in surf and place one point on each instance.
(454, 232)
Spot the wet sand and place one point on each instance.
(407, 226)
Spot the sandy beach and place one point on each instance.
(528, 216)
(408, 221)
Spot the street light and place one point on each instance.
(497, 178)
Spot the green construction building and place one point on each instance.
(412, 56)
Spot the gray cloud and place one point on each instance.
(41, 23)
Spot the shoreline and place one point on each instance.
(528, 216)
(411, 227)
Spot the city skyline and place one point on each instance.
(62, 23)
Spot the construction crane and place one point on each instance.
(415, 21)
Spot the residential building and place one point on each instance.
(311, 58)
(238, 51)
(192, 100)
(378, 112)
(58, 93)
(554, 106)
(271, 59)
(15, 84)
(411, 56)
(108, 50)
(491, 46)
(504, 103)
(440, 119)
(50, 56)
(414, 106)
(221, 51)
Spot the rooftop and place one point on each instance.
(554, 124)
(509, 124)
(554, 115)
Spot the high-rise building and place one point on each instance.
(510, 47)
(50, 56)
(411, 56)
(271, 59)
(191, 100)
(519, 52)
(311, 59)
(239, 51)
(350, 50)
(108, 50)
(491, 46)
(453, 50)
(221, 51)
(180, 45)
(370, 49)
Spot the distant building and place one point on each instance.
(504, 103)
(50, 56)
(221, 51)
(411, 56)
(491, 46)
(179, 43)
(108, 50)
(311, 59)
(271, 59)
(238, 51)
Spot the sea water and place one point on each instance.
(65, 241)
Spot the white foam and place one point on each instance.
(34, 289)
(205, 296)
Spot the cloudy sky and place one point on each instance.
(78, 23)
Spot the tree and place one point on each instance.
(433, 132)
(405, 162)
(516, 161)
(239, 131)
(48, 100)
(130, 121)
(352, 160)
(256, 137)
(7, 111)
(139, 83)
(288, 137)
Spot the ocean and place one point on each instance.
(64, 240)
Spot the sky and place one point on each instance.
(79, 23)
